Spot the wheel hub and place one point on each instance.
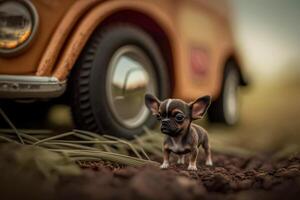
(130, 76)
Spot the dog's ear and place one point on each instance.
(199, 107)
(152, 103)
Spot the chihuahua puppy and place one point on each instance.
(182, 136)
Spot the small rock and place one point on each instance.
(245, 184)
(125, 172)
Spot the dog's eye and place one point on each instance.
(179, 117)
(158, 117)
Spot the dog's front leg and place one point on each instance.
(193, 159)
(165, 163)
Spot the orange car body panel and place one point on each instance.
(196, 27)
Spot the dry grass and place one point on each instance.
(84, 145)
(81, 145)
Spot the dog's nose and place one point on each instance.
(165, 122)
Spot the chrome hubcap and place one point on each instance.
(130, 76)
(231, 98)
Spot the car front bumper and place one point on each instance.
(22, 87)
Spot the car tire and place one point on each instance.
(116, 68)
(225, 109)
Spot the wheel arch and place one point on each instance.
(142, 14)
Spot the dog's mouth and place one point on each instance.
(165, 129)
(170, 132)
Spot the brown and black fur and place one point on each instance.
(182, 136)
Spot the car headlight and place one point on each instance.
(18, 25)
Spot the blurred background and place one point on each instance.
(268, 37)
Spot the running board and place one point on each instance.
(20, 87)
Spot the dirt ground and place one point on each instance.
(34, 173)
(231, 177)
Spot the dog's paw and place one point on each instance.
(164, 166)
(208, 162)
(192, 168)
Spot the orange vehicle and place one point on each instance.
(108, 54)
